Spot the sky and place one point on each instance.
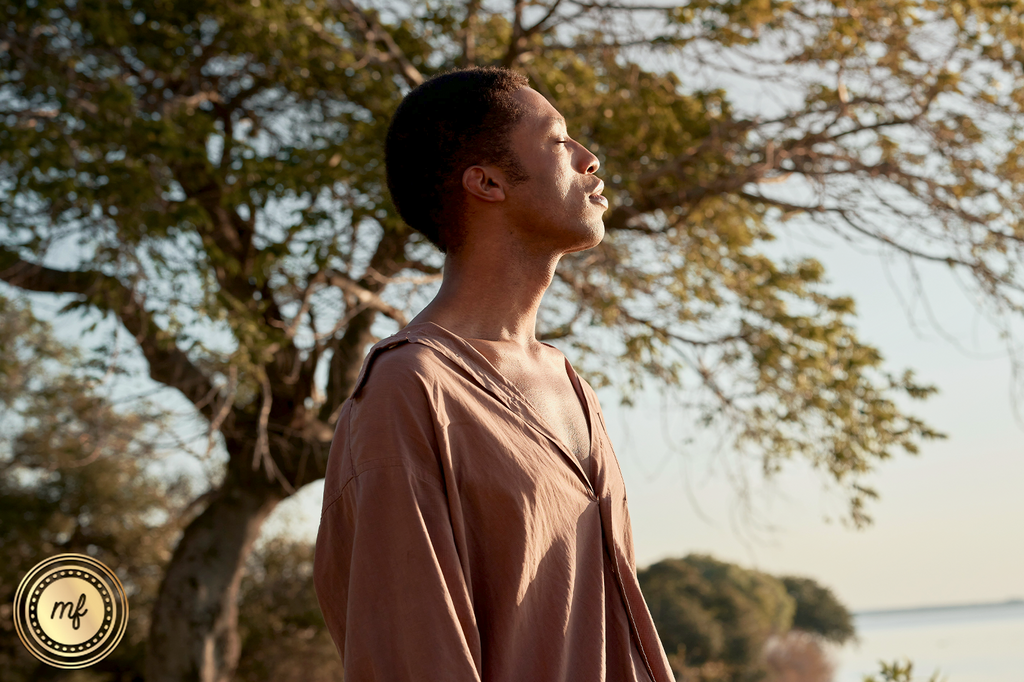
(947, 526)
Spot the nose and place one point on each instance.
(587, 163)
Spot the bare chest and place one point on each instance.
(547, 387)
(560, 407)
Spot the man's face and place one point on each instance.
(560, 205)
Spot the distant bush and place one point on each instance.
(898, 672)
(715, 618)
(818, 610)
(284, 638)
(720, 622)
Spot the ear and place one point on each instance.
(485, 183)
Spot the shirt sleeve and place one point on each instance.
(387, 571)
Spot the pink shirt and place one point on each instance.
(460, 538)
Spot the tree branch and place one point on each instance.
(846, 217)
(521, 33)
(168, 364)
(366, 297)
(468, 33)
(374, 33)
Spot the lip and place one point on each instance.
(596, 196)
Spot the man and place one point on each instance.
(474, 523)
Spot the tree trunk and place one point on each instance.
(194, 631)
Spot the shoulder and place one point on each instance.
(397, 364)
(390, 421)
(399, 382)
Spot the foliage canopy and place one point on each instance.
(210, 173)
(818, 610)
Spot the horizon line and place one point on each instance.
(942, 607)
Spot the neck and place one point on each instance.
(492, 292)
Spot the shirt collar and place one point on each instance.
(462, 353)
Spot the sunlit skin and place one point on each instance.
(514, 237)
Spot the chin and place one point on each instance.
(588, 239)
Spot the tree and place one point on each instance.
(818, 610)
(209, 174)
(719, 621)
(75, 476)
(715, 618)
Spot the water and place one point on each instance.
(982, 643)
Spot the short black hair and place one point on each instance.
(455, 120)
